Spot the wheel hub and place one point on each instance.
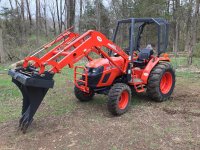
(166, 82)
(123, 101)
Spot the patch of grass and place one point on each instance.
(182, 62)
(99, 100)
(3, 69)
(138, 99)
(188, 75)
(114, 148)
(9, 99)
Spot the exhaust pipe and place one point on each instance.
(33, 88)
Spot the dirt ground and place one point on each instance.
(174, 124)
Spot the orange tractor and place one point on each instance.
(118, 73)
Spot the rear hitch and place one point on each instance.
(33, 88)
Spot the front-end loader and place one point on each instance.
(119, 72)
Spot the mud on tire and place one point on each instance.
(119, 98)
(161, 82)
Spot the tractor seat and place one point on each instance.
(143, 56)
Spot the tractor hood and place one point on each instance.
(105, 62)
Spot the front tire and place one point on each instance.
(83, 96)
(161, 82)
(119, 99)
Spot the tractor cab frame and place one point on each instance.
(136, 27)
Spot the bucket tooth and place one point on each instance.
(33, 90)
(32, 99)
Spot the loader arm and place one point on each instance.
(74, 49)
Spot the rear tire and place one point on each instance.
(119, 99)
(83, 96)
(161, 82)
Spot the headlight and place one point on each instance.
(96, 70)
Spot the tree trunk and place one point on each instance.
(45, 18)
(188, 27)
(124, 8)
(11, 5)
(2, 53)
(176, 6)
(29, 14)
(98, 16)
(52, 11)
(58, 16)
(81, 11)
(177, 33)
(194, 32)
(65, 15)
(70, 13)
(23, 28)
(16, 4)
(168, 6)
(39, 15)
(37, 22)
(61, 9)
(22, 10)
(18, 23)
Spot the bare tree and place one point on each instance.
(58, 16)
(10, 1)
(61, 14)
(45, 17)
(70, 12)
(2, 53)
(16, 5)
(37, 21)
(22, 10)
(98, 15)
(19, 20)
(80, 14)
(194, 31)
(39, 15)
(176, 8)
(53, 15)
(29, 14)
(188, 25)
(65, 15)
(22, 17)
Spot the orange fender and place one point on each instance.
(152, 63)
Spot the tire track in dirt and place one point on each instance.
(183, 111)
